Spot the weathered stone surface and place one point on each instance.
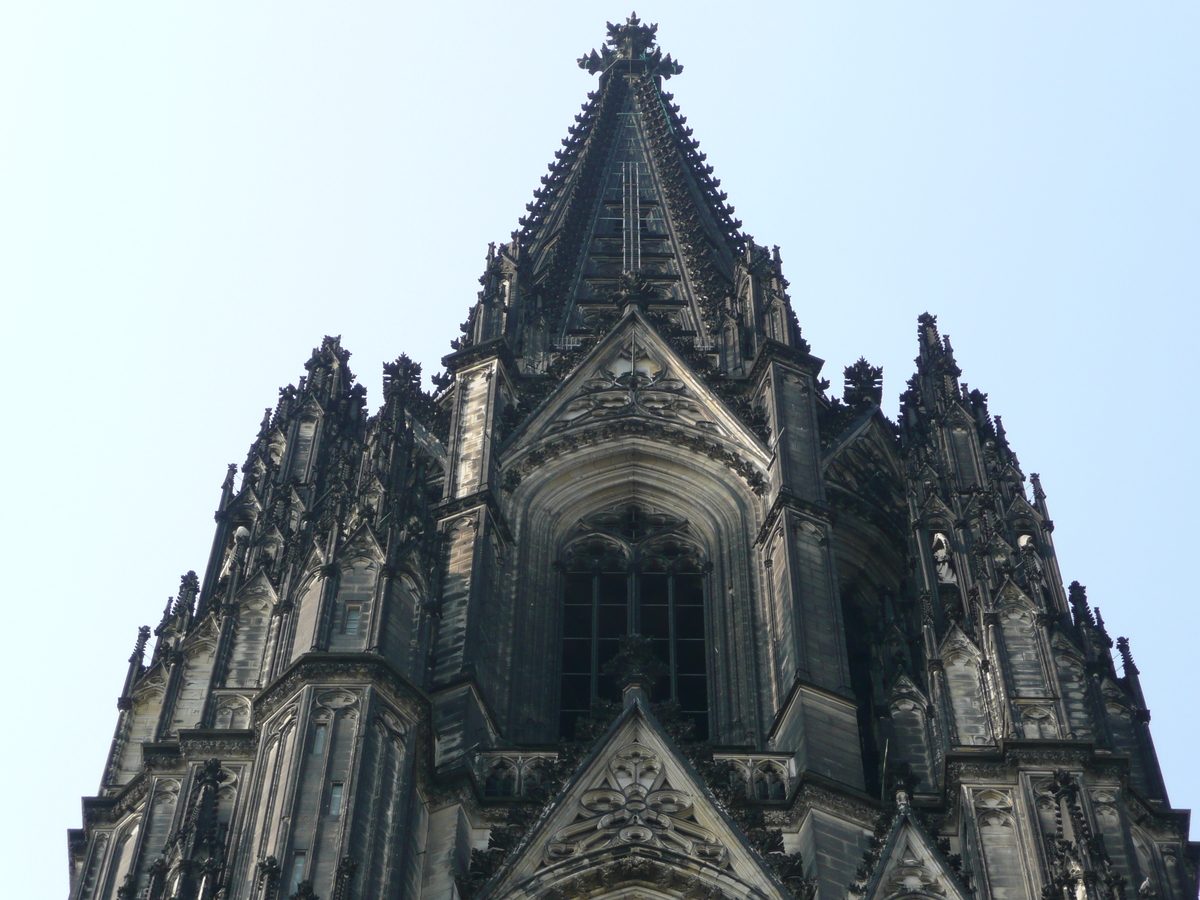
(857, 672)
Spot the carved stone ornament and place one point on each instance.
(635, 382)
(636, 805)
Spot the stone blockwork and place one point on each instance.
(631, 605)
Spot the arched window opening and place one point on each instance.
(633, 572)
(501, 780)
(769, 783)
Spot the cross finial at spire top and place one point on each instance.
(632, 42)
(633, 39)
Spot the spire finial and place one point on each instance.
(633, 42)
(1127, 663)
(633, 39)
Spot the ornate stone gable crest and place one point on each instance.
(634, 381)
(909, 863)
(634, 813)
(635, 805)
(633, 373)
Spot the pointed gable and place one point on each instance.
(910, 863)
(257, 590)
(635, 811)
(1020, 508)
(362, 545)
(633, 373)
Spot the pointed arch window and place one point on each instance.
(633, 571)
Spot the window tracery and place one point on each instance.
(633, 570)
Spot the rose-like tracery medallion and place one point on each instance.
(636, 805)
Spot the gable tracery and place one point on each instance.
(635, 805)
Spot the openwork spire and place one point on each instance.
(635, 43)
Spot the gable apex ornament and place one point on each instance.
(633, 43)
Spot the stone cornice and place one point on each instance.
(337, 668)
(775, 351)
(497, 348)
(816, 512)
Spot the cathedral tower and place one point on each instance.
(631, 605)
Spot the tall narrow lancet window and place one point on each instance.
(633, 571)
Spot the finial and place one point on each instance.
(863, 384)
(634, 289)
(1126, 657)
(1077, 594)
(1036, 480)
(265, 424)
(635, 668)
(1001, 434)
(189, 587)
(166, 616)
(139, 647)
(634, 43)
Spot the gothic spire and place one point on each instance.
(629, 194)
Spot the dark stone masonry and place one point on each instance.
(632, 605)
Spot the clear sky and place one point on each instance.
(191, 195)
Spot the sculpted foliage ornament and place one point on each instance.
(636, 805)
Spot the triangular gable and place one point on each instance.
(635, 811)
(312, 407)
(634, 373)
(903, 686)
(935, 508)
(872, 433)
(246, 503)
(910, 863)
(362, 545)
(258, 588)
(956, 640)
(1012, 595)
(1020, 508)
(427, 441)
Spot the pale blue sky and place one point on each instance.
(191, 195)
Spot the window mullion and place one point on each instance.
(633, 621)
(594, 687)
(671, 633)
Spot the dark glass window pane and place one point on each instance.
(662, 689)
(606, 689)
(614, 589)
(689, 657)
(608, 649)
(577, 621)
(579, 589)
(689, 590)
(653, 590)
(655, 622)
(614, 621)
(693, 693)
(576, 692)
(577, 656)
(566, 723)
(689, 622)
